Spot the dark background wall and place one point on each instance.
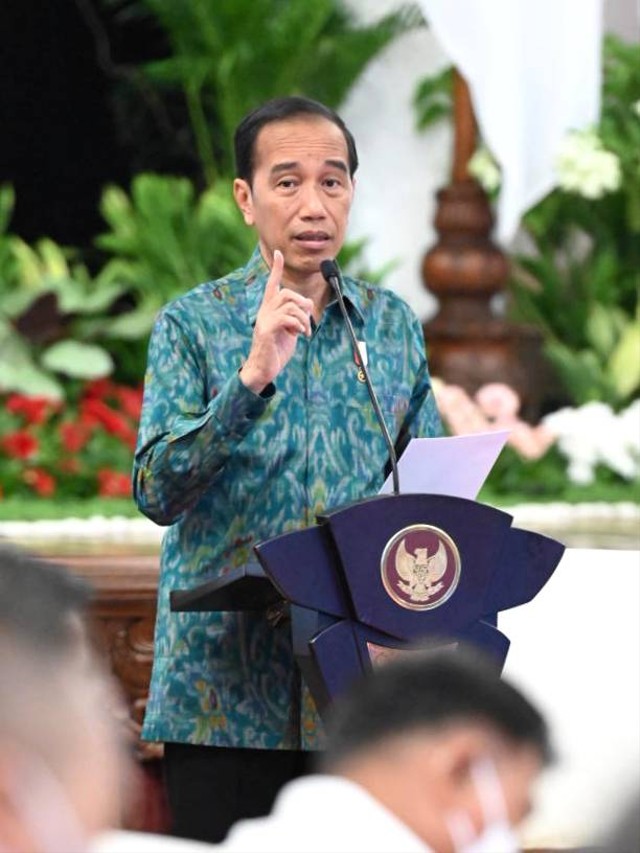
(71, 116)
(57, 139)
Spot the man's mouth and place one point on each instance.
(312, 238)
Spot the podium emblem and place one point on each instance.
(420, 567)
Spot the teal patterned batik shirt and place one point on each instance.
(226, 468)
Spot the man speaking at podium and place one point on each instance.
(256, 417)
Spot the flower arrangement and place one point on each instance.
(78, 449)
(585, 167)
(593, 435)
(570, 446)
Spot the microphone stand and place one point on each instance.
(331, 273)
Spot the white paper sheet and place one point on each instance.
(454, 465)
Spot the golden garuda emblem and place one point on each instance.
(420, 567)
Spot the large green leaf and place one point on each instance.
(7, 202)
(97, 299)
(134, 325)
(623, 370)
(602, 330)
(19, 372)
(78, 360)
(581, 372)
(29, 380)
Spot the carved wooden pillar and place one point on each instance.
(469, 344)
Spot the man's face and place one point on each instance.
(475, 783)
(300, 195)
(518, 771)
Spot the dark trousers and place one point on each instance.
(209, 787)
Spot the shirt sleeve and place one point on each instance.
(185, 438)
(422, 419)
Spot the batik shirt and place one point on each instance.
(226, 468)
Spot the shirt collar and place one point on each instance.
(256, 273)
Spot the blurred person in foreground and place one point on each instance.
(61, 761)
(431, 753)
(256, 418)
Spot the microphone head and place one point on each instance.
(329, 269)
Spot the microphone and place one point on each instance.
(332, 275)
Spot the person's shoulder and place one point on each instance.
(380, 299)
(220, 291)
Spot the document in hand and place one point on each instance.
(454, 465)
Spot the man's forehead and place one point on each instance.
(290, 140)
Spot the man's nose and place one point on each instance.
(312, 205)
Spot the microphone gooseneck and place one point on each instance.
(332, 275)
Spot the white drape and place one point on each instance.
(533, 69)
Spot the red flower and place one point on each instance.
(40, 481)
(100, 388)
(113, 484)
(96, 412)
(20, 444)
(35, 410)
(74, 435)
(131, 400)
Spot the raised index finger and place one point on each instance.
(275, 277)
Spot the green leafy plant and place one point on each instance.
(433, 98)
(227, 56)
(582, 281)
(165, 237)
(54, 317)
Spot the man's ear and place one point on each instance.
(244, 199)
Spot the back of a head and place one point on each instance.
(40, 602)
(430, 691)
(44, 654)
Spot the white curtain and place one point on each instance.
(533, 68)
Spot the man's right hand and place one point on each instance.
(283, 315)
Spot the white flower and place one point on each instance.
(622, 453)
(584, 167)
(580, 472)
(484, 169)
(593, 434)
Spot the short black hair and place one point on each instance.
(38, 599)
(281, 109)
(429, 691)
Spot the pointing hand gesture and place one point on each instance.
(283, 315)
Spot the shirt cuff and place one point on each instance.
(234, 409)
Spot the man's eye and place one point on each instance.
(287, 183)
(332, 183)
